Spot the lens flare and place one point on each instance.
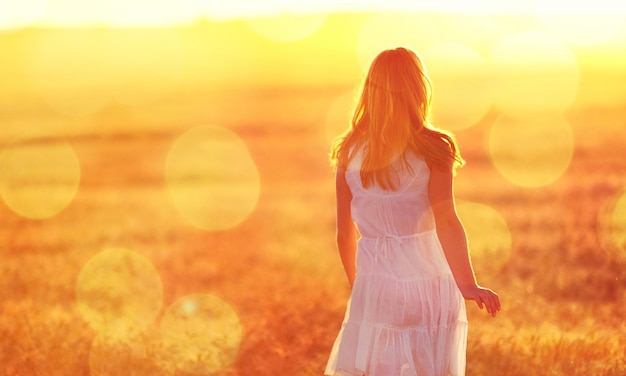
(339, 116)
(119, 293)
(70, 70)
(612, 225)
(143, 354)
(488, 235)
(531, 152)
(391, 30)
(287, 27)
(212, 178)
(202, 333)
(462, 85)
(39, 178)
(534, 73)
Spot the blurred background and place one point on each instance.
(167, 201)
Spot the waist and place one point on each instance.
(398, 237)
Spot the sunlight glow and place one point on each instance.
(145, 12)
(462, 86)
(119, 293)
(39, 178)
(78, 72)
(137, 13)
(531, 152)
(71, 70)
(18, 14)
(488, 235)
(287, 27)
(534, 72)
(212, 178)
(339, 116)
(582, 23)
(147, 64)
(589, 7)
(202, 332)
(391, 30)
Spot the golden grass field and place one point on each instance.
(561, 278)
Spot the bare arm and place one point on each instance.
(454, 241)
(346, 230)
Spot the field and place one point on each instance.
(124, 281)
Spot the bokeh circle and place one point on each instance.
(462, 85)
(212, 178)
(533, 72)
(71, 70)
(531, 152)
(339, 116)
(39, 177)
(488, 235)
(202, 333)
(119, 293)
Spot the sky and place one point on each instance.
(17, 14)
(554, 47)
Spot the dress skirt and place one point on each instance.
(406, 315)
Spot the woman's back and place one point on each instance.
(404, 211)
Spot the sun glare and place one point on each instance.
(383, 31)
(601, 17)
(586, 26)
(287, 27)
(18, 14)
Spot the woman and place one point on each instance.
(410, 269)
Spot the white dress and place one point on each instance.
(406, 315)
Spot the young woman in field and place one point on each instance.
(410, 269)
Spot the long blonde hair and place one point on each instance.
(391, 117)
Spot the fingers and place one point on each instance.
(494, 303)
(489, 300)
(484, 298)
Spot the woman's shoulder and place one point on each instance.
(438, 138)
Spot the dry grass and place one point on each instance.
(563, 293)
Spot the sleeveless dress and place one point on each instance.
(406, 315)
